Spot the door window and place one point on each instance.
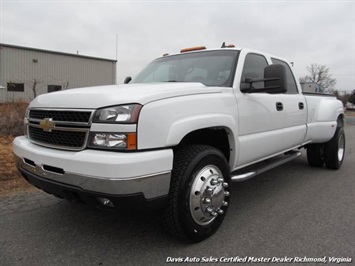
(254, 66)
(291, 83)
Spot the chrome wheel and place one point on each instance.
(208, 194)
(341, 148)
(198, 197)
(334, 150)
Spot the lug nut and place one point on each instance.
(214, 182)
(224, 203)
(225, 184)
(209, 189)
(209, 209)
(220, 179)
(214, 214)
(206, 200)
(220, 211)
(226, 193)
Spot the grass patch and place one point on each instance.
(10, 179)
(11, 125)
(11, 118)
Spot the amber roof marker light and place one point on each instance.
(227, 46)
(190, 49)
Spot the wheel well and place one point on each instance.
(215, 137)
(340, 121)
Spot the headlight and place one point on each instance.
(118, 114)
(113, 141)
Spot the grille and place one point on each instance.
(65, 116)
(65, 139)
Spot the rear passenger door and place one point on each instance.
(294, 110)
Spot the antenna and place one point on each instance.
(116, 45)
(116, 58)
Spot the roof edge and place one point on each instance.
(55, 52)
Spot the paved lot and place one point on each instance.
(293, 211)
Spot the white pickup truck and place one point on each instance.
(176, 136)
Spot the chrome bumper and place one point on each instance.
(151, 186)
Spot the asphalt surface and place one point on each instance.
(293, 210)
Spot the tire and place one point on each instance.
(334, 150)
(315, 155)
(198, 198)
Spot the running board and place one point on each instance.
(241, 176)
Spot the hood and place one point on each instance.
(101, 96)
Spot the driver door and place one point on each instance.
(260, 118)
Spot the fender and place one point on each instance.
(176, 117)
(322, 109)
(322, 118)
(182, 127)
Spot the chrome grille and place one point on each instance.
(61, 129)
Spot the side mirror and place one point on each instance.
(275, 79)
(127, 80)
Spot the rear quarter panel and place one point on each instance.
(323, 113)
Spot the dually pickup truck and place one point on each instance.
(174, 137)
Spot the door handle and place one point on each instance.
(279, 106)
(300, 105)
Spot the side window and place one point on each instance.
(291, 83)
(52, 88)
(253, 68)
(15, 86)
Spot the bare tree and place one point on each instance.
(33, 85)
(352, 97)
(65, 85)
(320, 75)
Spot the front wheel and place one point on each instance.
(199, 196)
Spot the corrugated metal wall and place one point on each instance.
(21, 65)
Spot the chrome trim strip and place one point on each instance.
(151, 185)
(83, 129)
(60, 122)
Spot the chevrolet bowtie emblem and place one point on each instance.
(46, 124)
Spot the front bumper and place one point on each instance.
(94, 199)
(98, 172)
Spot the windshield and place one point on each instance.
(211, 68)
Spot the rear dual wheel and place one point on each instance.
(199, 193)
(334, 150)
(331, 153)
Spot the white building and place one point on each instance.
(26, 72)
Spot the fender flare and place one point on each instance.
(182, 127)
